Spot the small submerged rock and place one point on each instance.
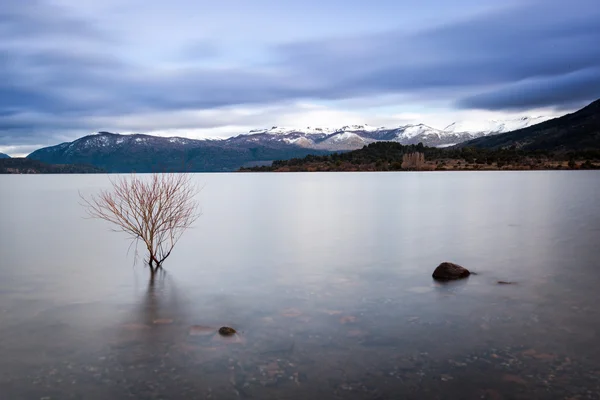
(449, 271)
(226, 331)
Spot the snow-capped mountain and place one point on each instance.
(277, 130)
(122, 153)
(352, 137)
(359, 128)
(145, 153)
(343, 141)
(493, 126)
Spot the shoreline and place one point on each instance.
(426, 168)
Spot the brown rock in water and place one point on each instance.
(227, 331)
(449, 271)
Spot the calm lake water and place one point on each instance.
(327, 278)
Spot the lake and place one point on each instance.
(326, 277)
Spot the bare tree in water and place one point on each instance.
(155, 211)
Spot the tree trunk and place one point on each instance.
(154, 264)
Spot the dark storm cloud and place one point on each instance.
(57, 70)
(499, 49)
(566, 91)
(32, 18)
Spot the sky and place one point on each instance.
(196, 68)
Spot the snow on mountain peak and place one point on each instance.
(494, 126)
(346, 136)
(278, 130)
(410, 131)
(414, 130)
(299, 141)
(273, 131)
(309, 130)
(355, 128)
(178, 140)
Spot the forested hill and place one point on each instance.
(572, 132)
(29, 166)
(390, 156)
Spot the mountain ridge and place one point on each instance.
(579, 130)
(146, 153)
(342, 139)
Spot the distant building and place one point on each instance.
(413, 161)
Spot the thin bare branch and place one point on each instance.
(155, 211)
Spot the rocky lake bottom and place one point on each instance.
(311, 346)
